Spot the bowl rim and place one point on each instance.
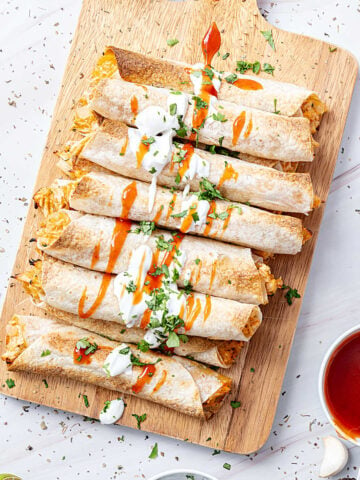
(324, 364)
(159, 476)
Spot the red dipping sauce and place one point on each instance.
(342, 385)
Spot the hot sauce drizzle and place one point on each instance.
(158, 214)
(238, 126)
(95, 256)
(124, 147)
(207, 309)
(210, 46)
(229, 211)
(185, 164)
(248, 84)
(209, 220)
(228, 174)
(80, 357)
(142, 151)
(248, 128)
(119, 235)
(171, 206)
(188, 219)
(144, 378)
(191, 312)
(134, 104)
(160, 382)
(128, 198)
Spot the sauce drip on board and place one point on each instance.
(119, 235)
(210, 46)
(144, 378)
(238, 125)
(248, 84)
(128, 198)
(342, 385)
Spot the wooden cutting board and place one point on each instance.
(144, 26)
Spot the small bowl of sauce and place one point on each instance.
(339, 385)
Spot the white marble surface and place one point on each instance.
(37, 442)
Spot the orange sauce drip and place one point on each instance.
(248, 84)
(124, 147)
(119, 235)
(138, 292)
(238, 126)
(248, 128)
(191, 312)
(134, 104)
(95, 256)
(142, 151)
(213, 273)
(228, 174)
(128, 198)
(158, 214)
(210, 46)
(160, 382)
(207, 309)
(188, 219)
(209, 220)
(184, 166)
(171, 206)
(144, 378)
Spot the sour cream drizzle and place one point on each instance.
(134, 288)
(151, 142)
(113, 410)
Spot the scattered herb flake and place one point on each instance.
(45, 353)
(139, 419)
(235, 404)
(290, 294)
(86, 401)
(45, 383)
(269, 38)
(172, 41)
(10, 383)
(227, 466)
(154, 452)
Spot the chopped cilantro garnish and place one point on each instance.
(45, 353)
(10, 383)
(227, 466)
(231, 78)
(235, 404)
(148, 141)
(139, 419)
(290, 294)
(172, 41)
(86, 401)
(145, 227)
(131, 287)
(219, 117)
(173, 109)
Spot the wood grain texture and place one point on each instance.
(144, 26)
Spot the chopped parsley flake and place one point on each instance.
(45, 353)
(290, 294)
(154, 452)
(10, 383)
(235, 404)
(172, 41)
(139, 419)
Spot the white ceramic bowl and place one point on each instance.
(324, 364)
(181, 475)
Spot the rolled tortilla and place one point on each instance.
(218, 353)
(250, 91)
(237, 180)
(241, 129)
(212, 267)
(76, 290)
(176, 382)
(115, 196)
